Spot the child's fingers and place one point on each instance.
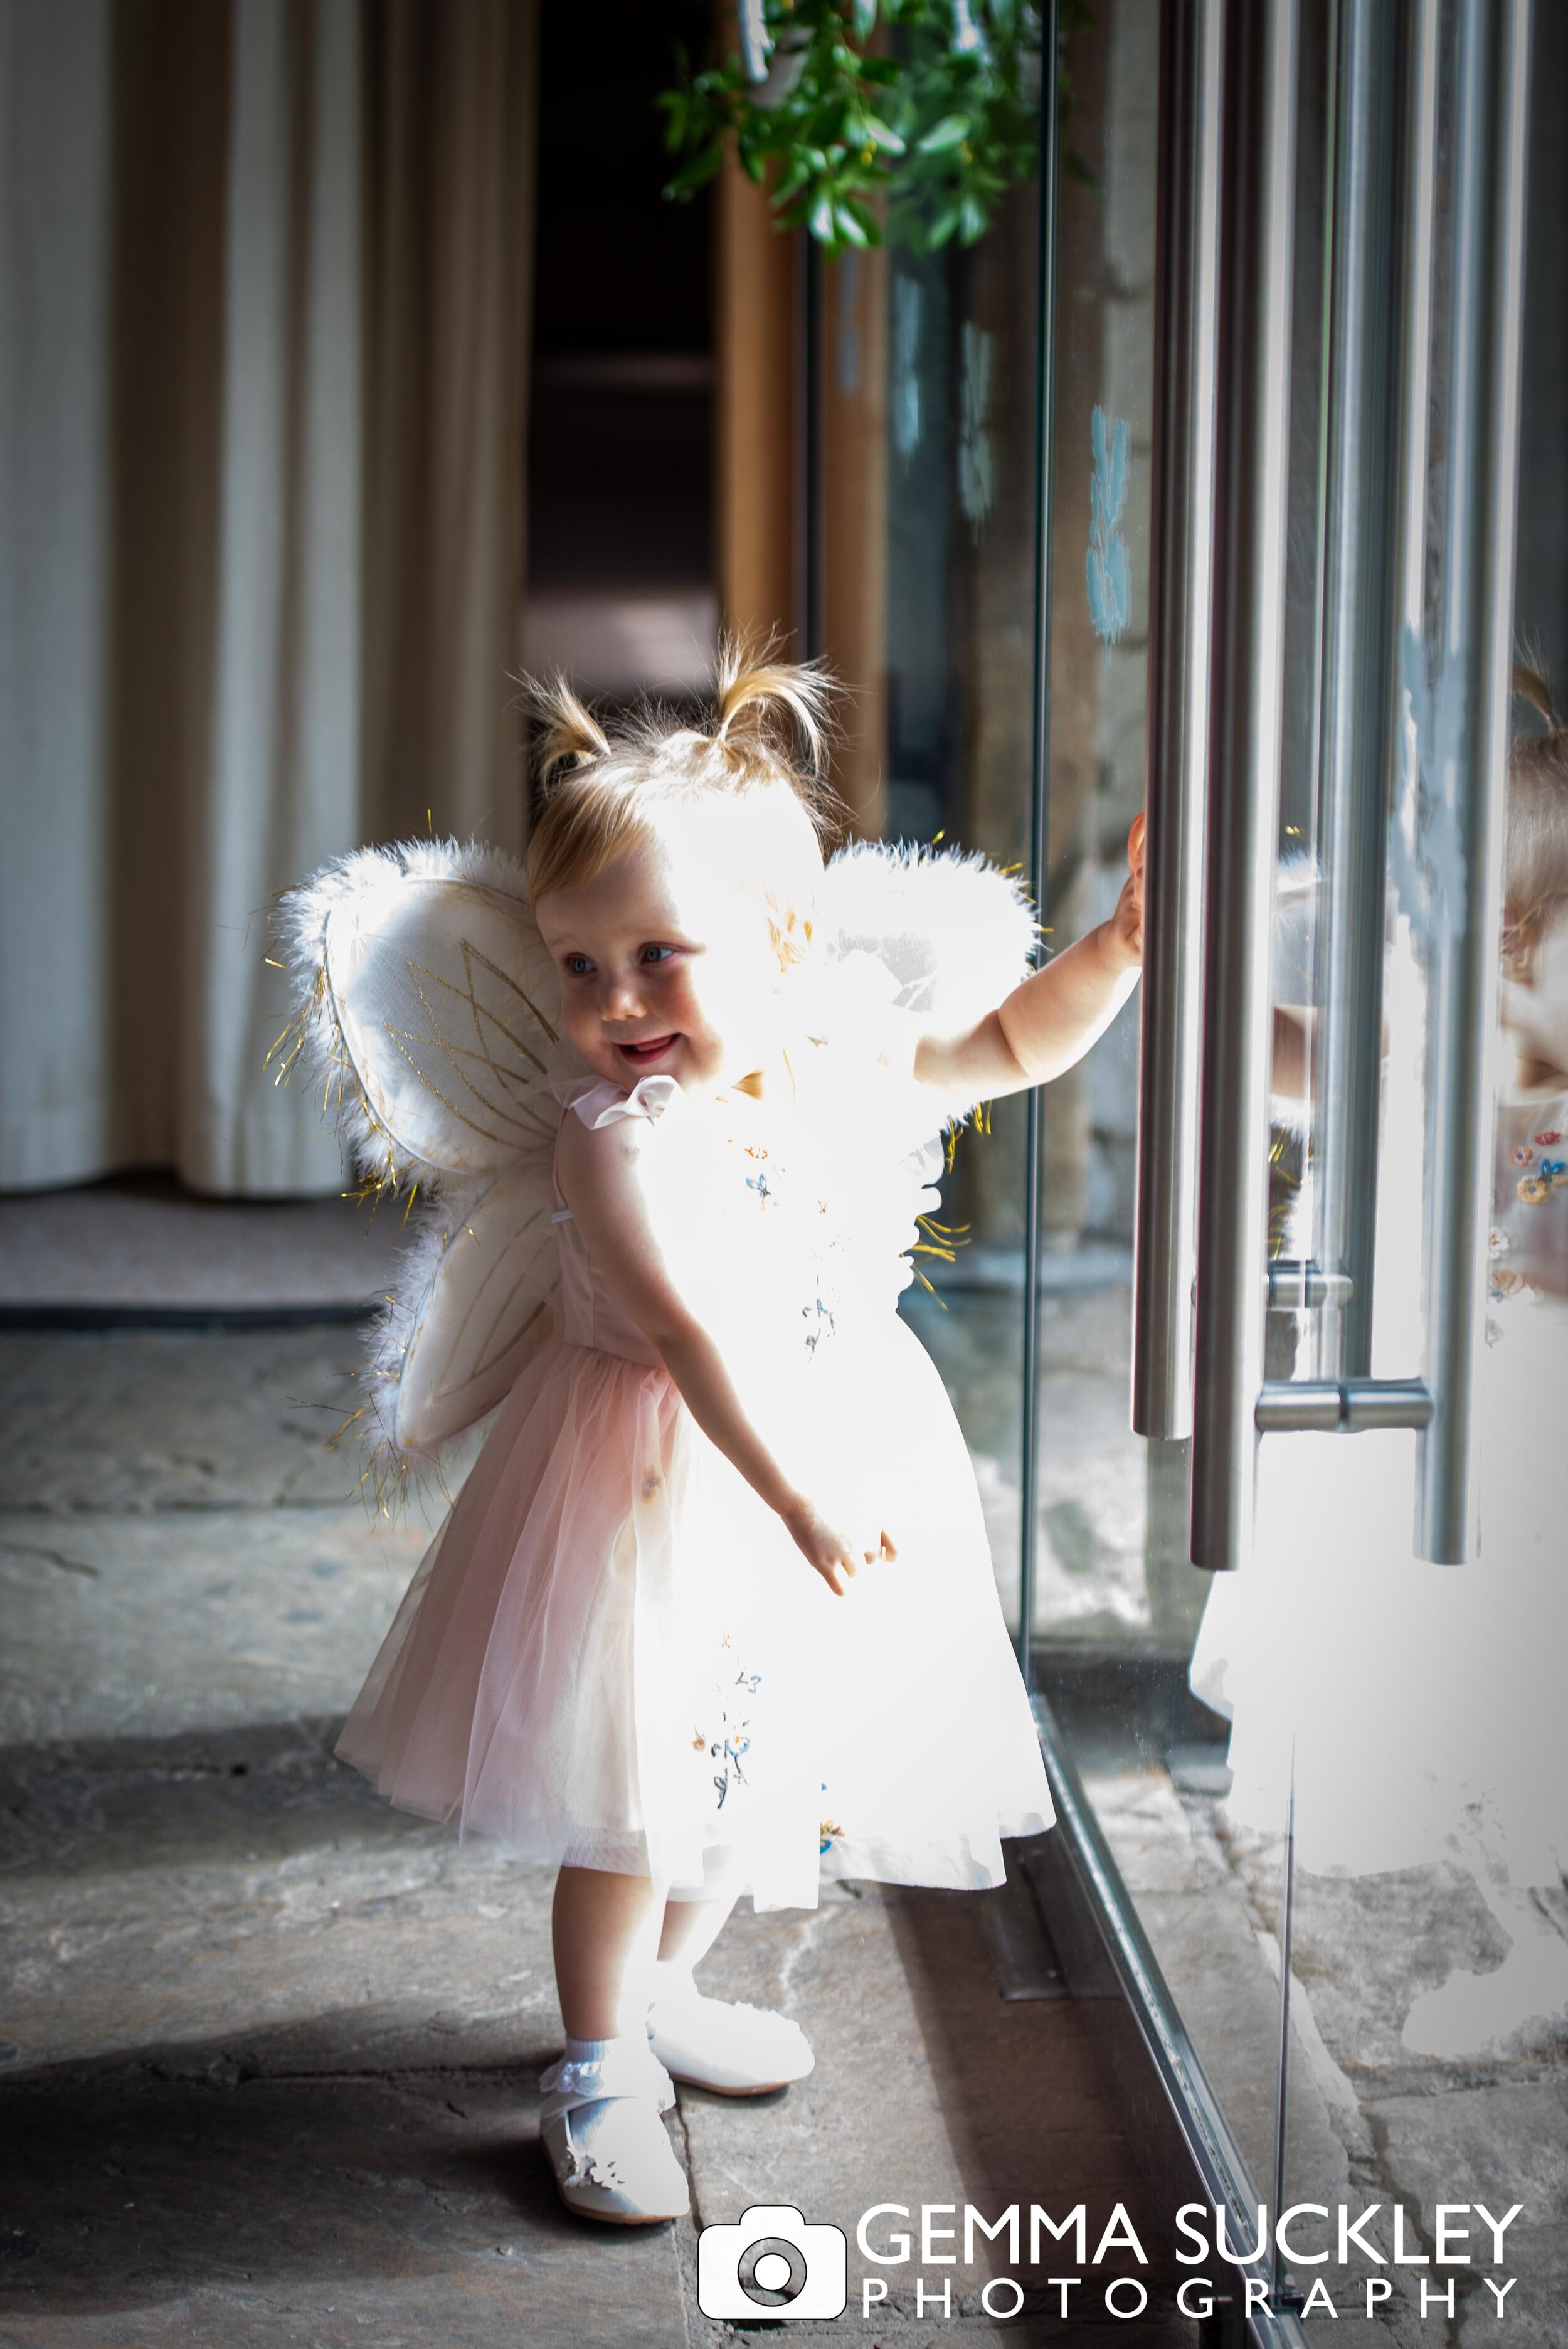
(889, 1546)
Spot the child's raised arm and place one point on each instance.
(604, 1174)
(1052, 1019)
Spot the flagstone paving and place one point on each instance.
(269, 2049)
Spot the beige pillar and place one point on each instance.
(854, 524)
(755, 404)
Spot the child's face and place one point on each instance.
(667, 966)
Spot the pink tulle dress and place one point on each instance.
(612, 1653)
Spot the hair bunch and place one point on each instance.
(1535, 871)
(764, 745)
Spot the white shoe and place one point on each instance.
(601, 2125)
(735, 2050)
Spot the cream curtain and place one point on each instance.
(265, 278)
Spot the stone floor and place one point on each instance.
(142, 1241)
(270, 2049)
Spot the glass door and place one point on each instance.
(1272, 1282)
(927, 374)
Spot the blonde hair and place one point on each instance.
(763, 748)
(1535, 862)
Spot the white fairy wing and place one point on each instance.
(955, 932)
(429, 1006)
(486, 1307)
(928, 939)
(426, 988)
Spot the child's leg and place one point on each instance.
(738, 2050)
(690, 1929)
(604, 1928)
(600, 2118)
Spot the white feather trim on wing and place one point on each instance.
(427, 1006)
(957, 933)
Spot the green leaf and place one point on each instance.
(950, 131)
(832, 146)
(879, 134)
(972, 221)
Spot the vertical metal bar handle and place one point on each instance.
(1040, 799)
(1180, 577)
(1360, 632)
(1252, 409)
(1469, 751)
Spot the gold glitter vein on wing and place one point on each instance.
(471, 953)
(485, 1133)
(481, 1012)
(524, 1119)
(508, 1078)
(511, 1081)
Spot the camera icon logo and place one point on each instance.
(772, 2262)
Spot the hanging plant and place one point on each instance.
(919, 143)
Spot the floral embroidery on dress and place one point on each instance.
(730, 1742)
(767, 1195)
(819, 1319)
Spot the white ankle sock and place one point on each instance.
(588, 2119)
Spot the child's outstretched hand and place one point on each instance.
(823, 1547)
(1125, 923)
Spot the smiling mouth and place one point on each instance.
(646, 1047)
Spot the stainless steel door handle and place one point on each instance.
(1382, 205)
(1253, 411)
(1182, 519)
(1360, 735)
(1473, 662)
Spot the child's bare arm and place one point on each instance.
(603, 1175)
(1051, 1020)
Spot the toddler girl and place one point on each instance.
(714, 1609)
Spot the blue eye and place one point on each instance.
(657, 954)
(578, 966)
